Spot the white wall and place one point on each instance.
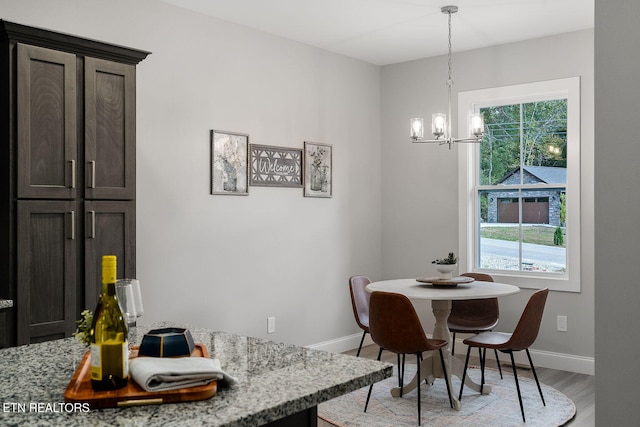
(229, 262)
(419, 181)
(617, 208)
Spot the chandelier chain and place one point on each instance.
(450, 81)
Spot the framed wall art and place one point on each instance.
(318, 170)
(229, 163)
(275, 166)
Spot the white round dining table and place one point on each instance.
(441, 297)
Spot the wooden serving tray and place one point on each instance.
(438, 282)
(80, 390)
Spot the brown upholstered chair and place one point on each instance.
(522, 338)
(394, 325)
(474, 316)
(360, 303)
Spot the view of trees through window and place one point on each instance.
(522, 187)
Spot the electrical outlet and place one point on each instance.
(562, 323)
(271, 325)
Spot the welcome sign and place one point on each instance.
(275, 166)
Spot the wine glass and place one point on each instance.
(137, 296)
(130, 300)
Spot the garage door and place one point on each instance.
(535, 210)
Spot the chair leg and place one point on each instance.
(418, 367)
(361, 341)
(446, 377)
(453, 343)
(535, 376)
(400, 372)
(498, 362)
(371, 386)
(515, 376)
(403, 357)
(464, 371)
(483, 355)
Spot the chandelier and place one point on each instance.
(441, 122)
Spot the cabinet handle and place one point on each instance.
(92, 234)
(93, 174)
(73, 225)
(73, 173)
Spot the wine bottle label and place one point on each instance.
(96, 362)
(125, 359)
(109, 358)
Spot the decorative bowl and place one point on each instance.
(445, 270)
(167, 342)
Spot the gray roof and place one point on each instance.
(545, 174)
(548, 174)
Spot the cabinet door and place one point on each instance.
(47, 252)
(46, 123)
(109, 130)
(110, 230)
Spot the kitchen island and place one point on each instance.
(279, 385)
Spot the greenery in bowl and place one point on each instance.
(449, 260)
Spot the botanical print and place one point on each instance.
(318, 170)
(229, 163)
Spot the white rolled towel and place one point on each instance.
(159, 373)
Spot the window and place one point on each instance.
(520, 188)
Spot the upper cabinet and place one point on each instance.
(47, 123)
(109, 94)
(48, 151)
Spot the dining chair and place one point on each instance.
(395, 326)
(520, 339)
(474, 316)
(360, 304)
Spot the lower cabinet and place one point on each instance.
(59, 246)
(47, 280)
(110, 230)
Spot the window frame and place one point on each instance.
(468, 182)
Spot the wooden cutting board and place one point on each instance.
(80, 390)
(445, 283)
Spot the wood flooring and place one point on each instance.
(577, 387)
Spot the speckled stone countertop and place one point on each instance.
(6, 303)
(275, 380)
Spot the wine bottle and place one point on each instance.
(109, 347)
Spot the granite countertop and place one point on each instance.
(6, 303)
(275, 380)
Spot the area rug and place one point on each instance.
(500, 408)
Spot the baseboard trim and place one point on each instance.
(340, 345)
(544, 359)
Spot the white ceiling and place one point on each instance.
(391, 31)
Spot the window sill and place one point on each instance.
(526, 280)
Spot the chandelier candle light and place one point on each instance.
(440, 126)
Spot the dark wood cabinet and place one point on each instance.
(46, 128)
(67, 194)
(47, 252)
(110, 155)
(110, 229)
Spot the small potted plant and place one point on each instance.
(445, 266)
